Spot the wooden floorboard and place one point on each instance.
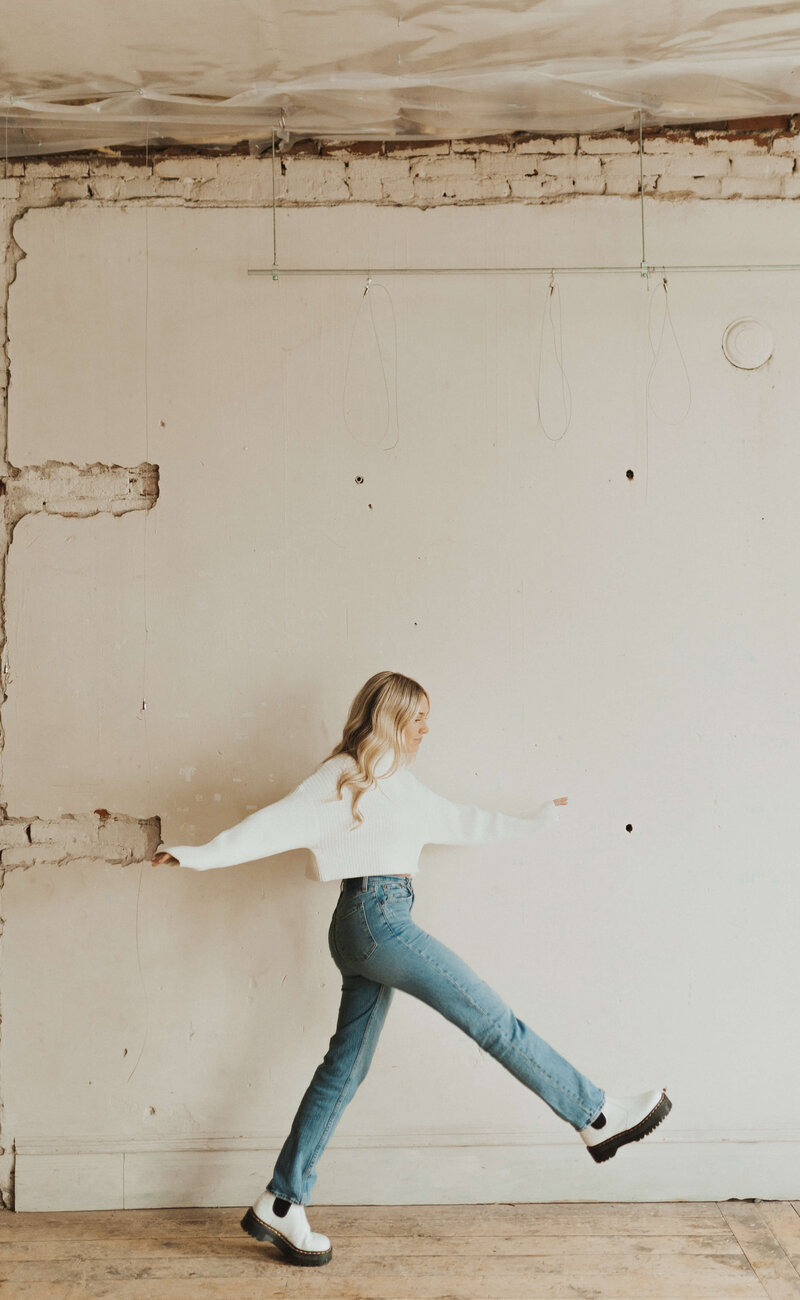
(692, 1251)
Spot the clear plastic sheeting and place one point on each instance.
(83, 74)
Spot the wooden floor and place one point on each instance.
(727, 1251)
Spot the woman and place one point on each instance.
(365, 818)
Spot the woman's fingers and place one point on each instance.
(560, 802)
(165, 859)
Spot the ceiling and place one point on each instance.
(81, 74)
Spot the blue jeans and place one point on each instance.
(378, 948)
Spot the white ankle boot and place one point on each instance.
(623, 1120)
(290, 1233)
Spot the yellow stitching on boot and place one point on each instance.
(298, 1249)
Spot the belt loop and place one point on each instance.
(365, 883)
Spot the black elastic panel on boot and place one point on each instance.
(600, 1122)
(280, 1207)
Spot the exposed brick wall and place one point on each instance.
(78, 491)
(700, 164)
(121, 840)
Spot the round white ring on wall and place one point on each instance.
(748, 343)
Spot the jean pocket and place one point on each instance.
(353, 936)
(396, 910)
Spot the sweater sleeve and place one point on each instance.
(291, 823)
(457, 823)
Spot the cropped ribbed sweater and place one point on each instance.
(400, 816)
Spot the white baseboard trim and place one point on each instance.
(418, 1169)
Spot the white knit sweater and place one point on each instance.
(400, 815)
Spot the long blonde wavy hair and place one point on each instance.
(378, 716)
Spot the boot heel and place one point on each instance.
(255, 1227)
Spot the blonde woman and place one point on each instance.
(365, 818)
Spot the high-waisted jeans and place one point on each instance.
(378, 948)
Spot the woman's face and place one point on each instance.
(417, 728)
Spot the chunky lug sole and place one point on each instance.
(263, 1232)
(605, 1150)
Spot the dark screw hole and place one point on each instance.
(359, 478)
(629, 828)
(629, 474)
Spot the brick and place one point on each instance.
(621, 185)
(508, 166)
(127, 839)
(547, 144)
(399, 189)
(66, 167)
(791, 186)
(607, 144)
(254, 191)
(698, 187)
(66, 835)
(590, 185)
(66, 191)
(697, 164)
(786, 144)
(9, 188)
(179, 169)
(668, 143)
(37, 193)
(14, 835)
(538, 187)
(765, 167)
(104, 188)
(364, 179)
(430, 191)
(742, 187)
(315, 179)
(724, 142)
(450, 168)
(627, 169)
(120, 171)
(247, 180)
(173, 189)
(585, 168)
(121, 190)
(484, 144)
(489, 187)
(46, 854)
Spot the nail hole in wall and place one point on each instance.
(629, 828)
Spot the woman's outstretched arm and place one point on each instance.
(455, 823)
(291, 823)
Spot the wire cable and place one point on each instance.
(553, 301)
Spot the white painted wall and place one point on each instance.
(630, 644)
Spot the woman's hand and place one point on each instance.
(164, 859)
(559, 803)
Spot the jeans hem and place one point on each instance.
(597, 1113)
(281, 1195)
